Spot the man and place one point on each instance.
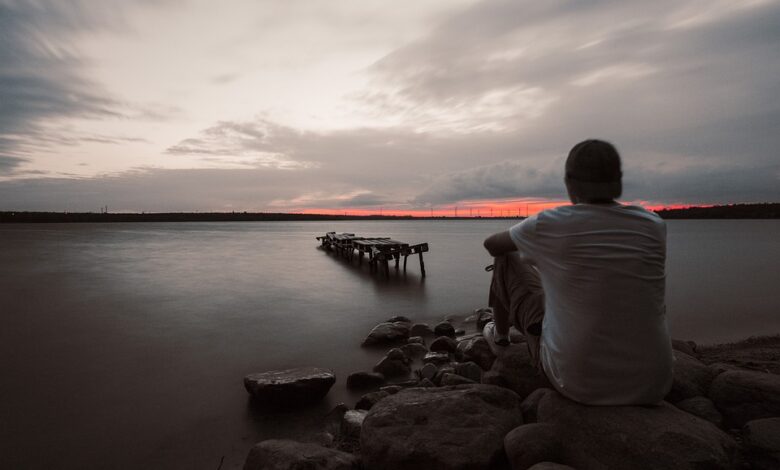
(585, 284)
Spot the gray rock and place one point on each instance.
(483, 317)
(743, 396)
(414, 350)
(691, 378)
(449, 378)
(370, 399)
(636, 437)
(428, 371)
(444, 344)
(283, 454)
(416, 340)
(436, 358)
(387, 333)
(470, 370)
(530, 444)
(514, 370)
(394, 364)
(687, 347)
(702, 407)
(444, 328)
(290, 387)
(352, 422)
(762, 440)
(421, 329)
(478, 350)
(460, 427)
(363, 380)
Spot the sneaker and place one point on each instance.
(496, 345)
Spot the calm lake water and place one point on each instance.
(125, 345)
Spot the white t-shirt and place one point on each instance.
(604, 335)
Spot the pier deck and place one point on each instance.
(379, 250)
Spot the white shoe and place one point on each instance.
(497, 346)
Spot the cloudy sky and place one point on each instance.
(362, 105)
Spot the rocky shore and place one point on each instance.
(440, 399)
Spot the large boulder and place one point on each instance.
(692, 378)
(514, 369)
(458, 427)
(743, 396)
(387, 333)
(477, 350)
(636, 437)
(290, 387)
(283, 454)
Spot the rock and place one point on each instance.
(762, 440)
(444, 344)
(436, 358)
(691, 378)
(283, 454)
(460, 427)
(421, 329)
(445, 369)
(687, 347)
(391, 389)
(483, 317)
(352, 422)
(414, 350)
(363, 380)
(743, 396)
(428, 371)
(636, 437)
(470, 370)
(394, 364)
(399, 318)
(530, 444)
(478, 350)
(387, 333)
(514, 369)
(370, 399)
(416, 340)
(290, 387)
(721, 367)
(531, 403)
(444, 328)
(460, 332)
(449, 378)
(703, 408)
(551, 466)
(425, 383)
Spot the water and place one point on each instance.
(124, 345)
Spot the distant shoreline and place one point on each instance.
(732, 211)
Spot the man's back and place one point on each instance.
(604, 335)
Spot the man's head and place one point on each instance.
(593, 172)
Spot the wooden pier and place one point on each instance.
(379, 250)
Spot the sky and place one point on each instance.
(362, 106)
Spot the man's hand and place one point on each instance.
(499, 243)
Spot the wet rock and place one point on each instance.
(352, 422)
(436, 358)
(483, 317)
(370, 399)
(364, 380)
(449, 378)
(428, 371)
(444, 328)
(394, 364)
(470, 370)
(530, 444)
(444, 344)
(743, 396)
(687, 347)
(514, 369)
(636, 437)
(290, 387)
(421, 329)
(478, 350)
(691, 378)
(416, 340)
(414, 350)
(424, 428)
(703, 408)
(387, 333)
(283, 454)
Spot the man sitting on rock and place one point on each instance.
(585, 284)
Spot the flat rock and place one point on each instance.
(283, 454)
(421, 329)
(477, 350)
(513, 369)
(387, 333)
(702, 407)
(290, 387)
(692, 378)
(636, 437)
(743, 396)
(444, 344)
(444, 328)
(460, 427)
(364, 380)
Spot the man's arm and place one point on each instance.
(499, 244)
